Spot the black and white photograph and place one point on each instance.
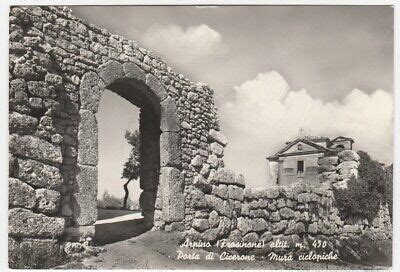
(201, 137)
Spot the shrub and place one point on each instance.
(372, 173)
(357, 201)
(363, 196)
(108, 201)
(389, 192)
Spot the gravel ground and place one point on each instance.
(129, 245)
(158, 250)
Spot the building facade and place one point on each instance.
(298, 160)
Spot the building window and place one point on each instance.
(300, 167)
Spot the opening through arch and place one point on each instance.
(161, 179)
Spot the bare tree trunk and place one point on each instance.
(126, 193)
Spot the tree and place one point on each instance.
(364, 195)
(389, 192)
(373, 173)
(132, 166)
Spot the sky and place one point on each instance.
(274, 69)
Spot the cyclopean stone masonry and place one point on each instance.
(300, 213)
(59, 67)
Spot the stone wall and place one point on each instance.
(300, 212)
(59, 66)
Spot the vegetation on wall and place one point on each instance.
(364, 195)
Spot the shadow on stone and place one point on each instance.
(118, 231)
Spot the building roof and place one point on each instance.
(342, 138)
(318, 148)
(317, 139)
(312, 141)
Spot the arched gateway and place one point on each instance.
(160, 155)
(59, 66)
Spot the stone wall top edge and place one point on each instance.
(285, 191)
(67, 13)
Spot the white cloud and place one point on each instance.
(182, 46)
(266, 113)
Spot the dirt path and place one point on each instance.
(158, 250)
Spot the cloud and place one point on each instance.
(182, 46)
(266, 113)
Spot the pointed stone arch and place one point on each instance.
(162, 181)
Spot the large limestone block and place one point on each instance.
(111, 71)
(34, 253)
(279, 227)
(224, 226)
(286, 213)
(248, 193)
(197, 161)
(217, 149)
(90, 91)
(259, 213)
(304, 198)
(223, 207)
(47, 201)
(197, 199)
(131, 70)
(23, 222)
(84, 203)
(40, 89)
(21, 122)
(235, 236)
(272, 193)
(235, 192)
(213, 161)
(266, 236)
(210, 235)
(20, 194)
(213, 219)
(225, 176)
(173, 199)
(35, 148)
(216, 136)
(259, 224)
(348, 155)
(39, 175)
(221, 191)
(78, 28)
(156, 87)
(239, 181)
(200, 224)
(201, 183)
(345, 168)
(251, 238)
(169, 116)
(17, 85)
(170, 149)
(87, 138)
(205, 170)
(244, 225)
(328, 160)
